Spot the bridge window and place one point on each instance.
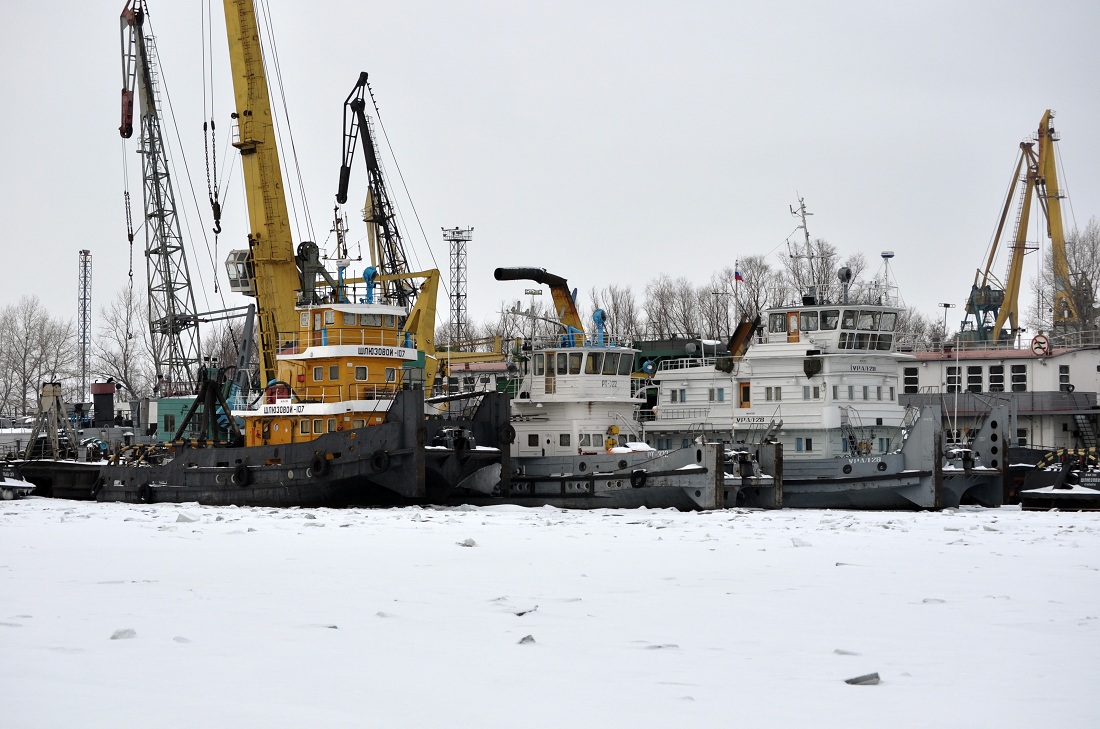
(389, 321)
(954, 379)
(911, 382)
(330, 316)
(974, 379)
(809, 321)
(349, 319)
(626, 364)
(868, 320)
(848, 321)
(996, 378)
(830, 318)
(610, 363)
(538, 365)
(593, 365)
(575, 363)
(303, 319)
(888, 321)
(370, 320)
(1019, 378)
(563, 363)
(777, 322)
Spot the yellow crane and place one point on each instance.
(268, 270)
(995, 308)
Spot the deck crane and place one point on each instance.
(995, 309)
(173, 319)
(387, 250)
(268, 269)
(565, 304)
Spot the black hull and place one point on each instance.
(381, 464)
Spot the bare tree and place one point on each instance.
(123, 350)
(1083, 256)
(619, 305)
(759, 283)
(35, 348)
(805, 271)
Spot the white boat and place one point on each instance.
(820, 377)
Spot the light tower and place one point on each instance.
(458, 238)
(84, 316)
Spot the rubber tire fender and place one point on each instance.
(318, 467)
(380, 461)
(637, 479)
(507, 434)
(241, 475)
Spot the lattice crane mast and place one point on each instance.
(173, 319)
(387, 250)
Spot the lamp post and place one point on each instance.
(945, 307)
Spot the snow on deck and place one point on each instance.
(227, 617)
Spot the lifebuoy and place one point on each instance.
(881, 466)
(145, 494)
(241, 475)
(318, 466)
(380, 461)
(507, 434)
(847, 468)
(637, 479)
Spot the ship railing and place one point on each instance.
(296, 342)
(683, 363)
(342, 393)
(862, 293)
(664, 412)
(1060, 340)
(565, 341)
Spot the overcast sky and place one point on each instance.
(604, 141)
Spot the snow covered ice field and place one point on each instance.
(227, 617)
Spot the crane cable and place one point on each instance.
(213, 192)
(129, 234)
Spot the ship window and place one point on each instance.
(836, 392)
(674, 396)
(745, 393)
(361, 373)
(805, 392)
(358, 423)
(575, 363)
(954, 379)
(533, 440)
(888, 322)
(891, 394)
(538, 364)
(866, 392)
(798, 444)
(317, 426)
(303, 427)
(1019, 378)
(563, 439)
(303, 319)
(626, 364)
(370, 320)
(767, 393)
(389, 321)
(169, 423)
(851, 392)
(884, 342)
(884, 445)
(817, 392)
(862, 340)
(349, 319)
(334, 372)
(974, 379)
(1063, 378)
(318, 374)
(716, 394)
(996, 378)
(331, 425)
(809, 444)
(777, 322)
(391, 374)
(330, 316)
(563, 363)
(594, 363)
(848, 321)
(586, 439)
(317, 320)
(1021, 437)
(830, 318)
(610, 363)
(809, 321)
(878, 392)
(868, 320)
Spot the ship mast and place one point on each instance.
(173, 321)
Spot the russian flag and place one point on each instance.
(737, 276)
